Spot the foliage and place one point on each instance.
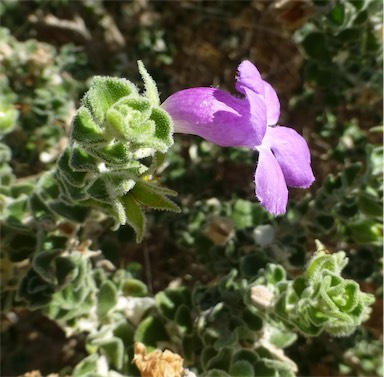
(103, 167)
(231, 289)
(320, 300)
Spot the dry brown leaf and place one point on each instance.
(157, 363)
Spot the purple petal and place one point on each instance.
(292, 153)
(218, 117)
(249, 77)
(257, 117)
(271, 188)
(273, 104)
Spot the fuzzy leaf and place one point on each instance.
(104, 92)
(8, 118)
(36, 291)
(77, 214)
(43, 264)
(106, 299)
(150, 331)
(162, 139)
(70, 193)
(135, 288)
(76, 179)
(114, 351)
(147, 196)
(150, 85)
(86, 367)
(81, 161)
(41, 212)
(221, 360)
(101, 190)
(242, 368)
(159, 189)
(84, 129)
(134, 215)
(183, 319)
(130, 119)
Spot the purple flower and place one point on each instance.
(217, 116)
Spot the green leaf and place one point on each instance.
(43, 264)
(130, 127)
(77, 214)
(70, 193)
(366, 231)
(114, 351)
(169, 300)
(150, 86)
(242, 214)
(104, 92)
(21, 246)
(5, 153)
(41, 212)
(147, 196)
(361, 18)
(370, 205)
(120, 184)
(86, 367)
(106, 298)
(222, 359)
(36, 291)
(282, 339)
(47, 186)
(150, 331)
(125, 331)
(55, 242)
(183, 319)
(162, 139)
(81, 161)
(134, 215)
(351, 174)
(207, 354)
(84, 129)
(358, 4)
(242, 368)
(245, 354)
(101, 189)
(253, 321)
(350, 35)
(8, 118)
(14, 213)
(135, 288)
(279, 368)
(337, 14)
(152, 185)
(65, 270)
(76, 179)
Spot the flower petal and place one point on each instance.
(249, 77)
(218, 117)
(271, 188)
(257, 111)
(273, 104)
(292, 153)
